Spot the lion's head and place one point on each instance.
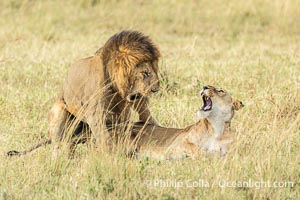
(218, 103)
(131, 63)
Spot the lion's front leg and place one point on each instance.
(100, 136)
(144, 113)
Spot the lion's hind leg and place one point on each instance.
(81, 134)
(58, 119)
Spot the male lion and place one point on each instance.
(210, 134)
(103, 88)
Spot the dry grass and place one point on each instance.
(250, 48)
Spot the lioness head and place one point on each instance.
(131, 62)
(217, 102)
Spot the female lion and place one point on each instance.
(210, 134)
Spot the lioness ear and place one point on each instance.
(237, 104)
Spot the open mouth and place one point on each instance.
(207, 103)
(134, 97)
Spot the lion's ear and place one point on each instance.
(237, 104)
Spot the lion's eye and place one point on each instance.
(146, 74)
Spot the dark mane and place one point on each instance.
(130, 48)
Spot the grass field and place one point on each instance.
(251, 48)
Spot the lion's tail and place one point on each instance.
(20, 153)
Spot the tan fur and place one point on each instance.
(103, 89)
(210, 134)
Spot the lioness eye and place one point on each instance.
(220, 90)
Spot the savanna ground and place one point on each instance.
(251, 48)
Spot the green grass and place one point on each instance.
(251, 48)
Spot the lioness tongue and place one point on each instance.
(207, 107)
(207, 104)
